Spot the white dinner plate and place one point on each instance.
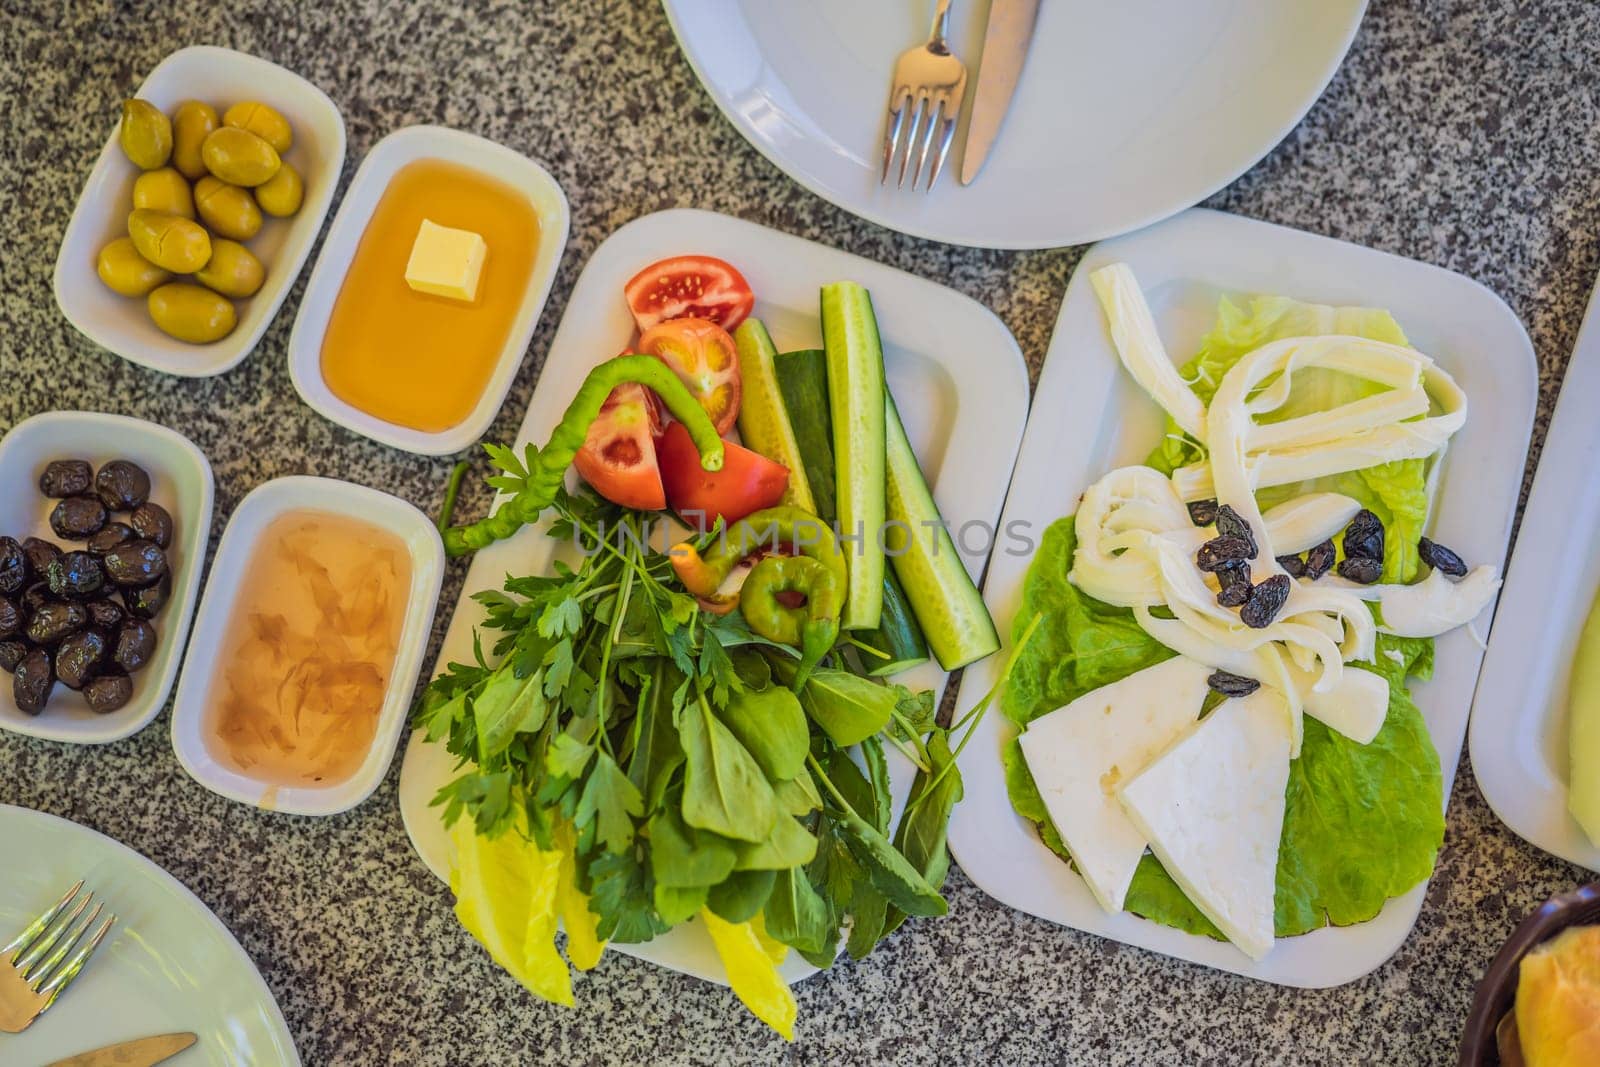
(168, 964)
(1125, 113)
(1519, 720)
(957, 377)
(1089, 417)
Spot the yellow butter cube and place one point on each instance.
(446, 262)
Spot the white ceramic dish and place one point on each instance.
(168, 965)
(1090, 417)
(220, 77)
(1123, 115)
(957, 377)
(212, 638)
(180, 481)
(1519, 719)
(327, 278)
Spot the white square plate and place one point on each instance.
(956, 374)
(219, 77)
(1519, 720)
(1090, 417)
(180, 481)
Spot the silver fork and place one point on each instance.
(927, 89)
(43, 960)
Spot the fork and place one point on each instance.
(928, 85)
(44, 959)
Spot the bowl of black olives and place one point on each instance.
(103, 529)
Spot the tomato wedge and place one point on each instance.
(748, 481)
(618, 456)
(698, 287)
(704, 358)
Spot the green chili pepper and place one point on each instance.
(546, 474)
(812, 627)
(784, 527)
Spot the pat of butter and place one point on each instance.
(446, 262)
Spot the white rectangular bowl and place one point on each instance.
(1089, 417)
(220, 77)
(327, 278)
(958, 379)
(180, 481)
(1520, 725)
(212, 636)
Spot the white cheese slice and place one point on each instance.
(1437, 604)
(1080, 753)
(1211, 807)
(1356, 706)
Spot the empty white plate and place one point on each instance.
(957, 376)
(1089, 417)
(1125, 113)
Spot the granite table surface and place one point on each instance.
(1464, 133)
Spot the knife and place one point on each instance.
(1005, 47)
(141, 1053)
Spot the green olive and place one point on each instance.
(171, 242)
(163, 190)
(233, 271)
(192, 312)
(280, 195)
(263, 120)
(145, 134)
(238, 156)
(227, 209)
(125, 271)
(190, 125)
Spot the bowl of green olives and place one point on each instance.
(104, 522)
(200, 211)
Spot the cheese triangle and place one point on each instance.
(1079, 754)
(1211, 807)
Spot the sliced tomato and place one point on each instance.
(748, 481)
(618, 456)
(703, 356)
(689, 287)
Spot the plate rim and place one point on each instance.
(1090, 236)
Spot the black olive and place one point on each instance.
(1441, 558)
(1231, 524)
(1361, 569)
(78, 658)
(11, 653)
(56, 620)
(1293, 566)
(1319, 560)
(35, 597)
(153, 523)
(32, 681)
(110, 536)
(1232, 685)
(77, 517)
(1202, 512)
(1235, 580)
(106, 614)
(108, 692)
(147, 601)
(135, 563)
(11, 620)
(13, 566)
(1363, 538)
(66, 477)
(121, 485)
(75, 574)
(1266, 600)
(1220, 551)
(135, 644)
(39, 553)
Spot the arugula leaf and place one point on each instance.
(847, 707)
(920, 837)
(772, 727)
(676, 904)
(724, 789)
(796, 914)
(741, 896)
(507, 706)
(869, 911)
(789, 845)
(682, 856)
(611, 802)
(657, 753)
(798, 795)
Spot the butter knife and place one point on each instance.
(144, 1052)
(1005, 47)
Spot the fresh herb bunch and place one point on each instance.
(689, 773)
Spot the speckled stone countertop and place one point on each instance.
(1463, 133)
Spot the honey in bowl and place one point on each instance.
(410, 357)
(310, 650)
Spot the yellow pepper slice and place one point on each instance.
(506, 889)
(752, 972)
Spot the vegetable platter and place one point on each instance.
(1329, 817)
(716, 679)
